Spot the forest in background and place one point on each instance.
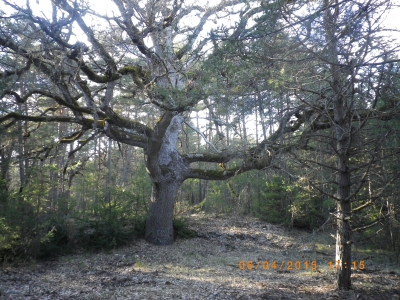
(294, 107)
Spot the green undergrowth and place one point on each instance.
(46, 235)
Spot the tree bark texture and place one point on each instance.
(341, 132)
(167, 171)
(159, 229)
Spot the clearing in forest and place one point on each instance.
(284, 263)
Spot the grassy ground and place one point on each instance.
(209, 267)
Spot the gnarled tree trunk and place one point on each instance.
(159, 229)
(167, 171)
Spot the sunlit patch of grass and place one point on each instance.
(141, 265)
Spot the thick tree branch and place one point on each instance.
(61, 119)
(206, 15)
(18, 72)
(133, 32)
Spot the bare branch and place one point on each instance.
(203, 136)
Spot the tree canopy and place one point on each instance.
(318, 77)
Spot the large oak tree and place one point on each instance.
(151, 50)
(159, 54)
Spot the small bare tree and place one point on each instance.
(345, 69)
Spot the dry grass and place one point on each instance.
(206, 267)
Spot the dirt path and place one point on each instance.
(206, 267)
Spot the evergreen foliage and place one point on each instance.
(271, 206)
(290, 115)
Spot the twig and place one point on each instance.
(203, 136)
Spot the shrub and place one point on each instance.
(272, 206)
(54, 239)
(181, 228)
(139, 226)
(107, 230)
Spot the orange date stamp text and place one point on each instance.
(298, 265)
